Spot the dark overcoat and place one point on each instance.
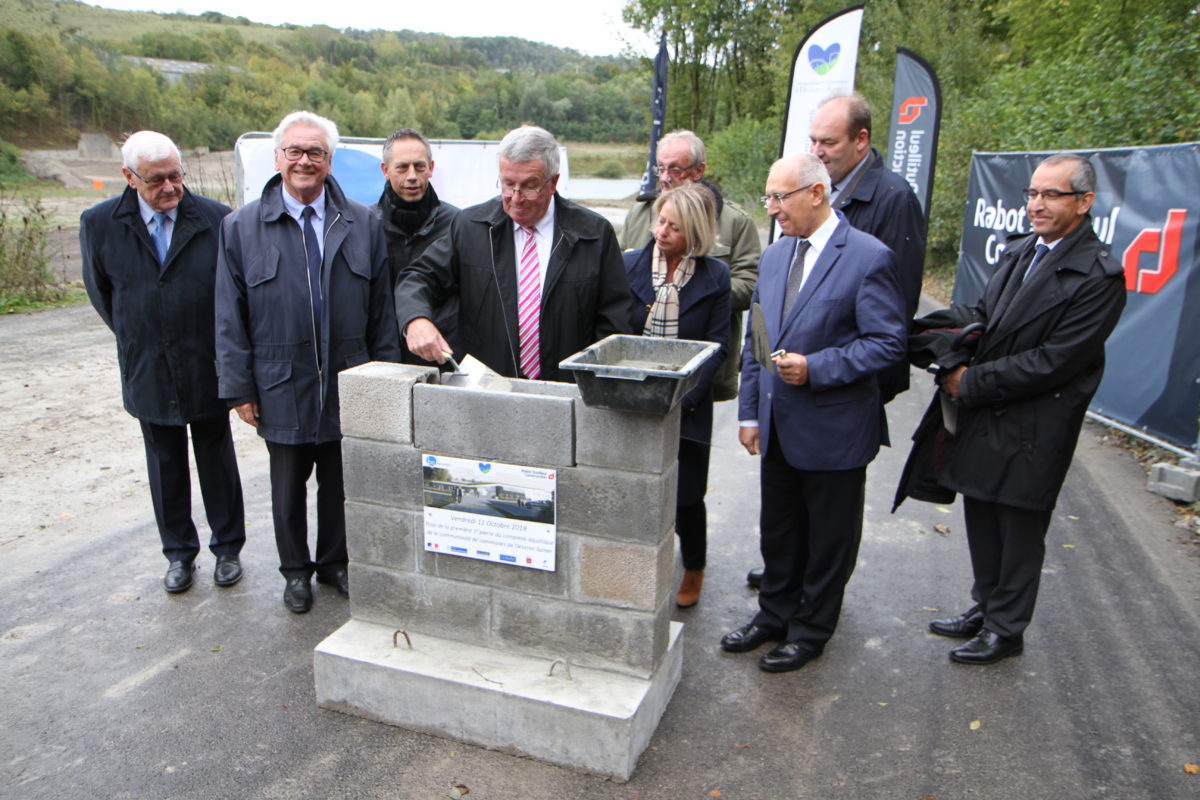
(270, 346)
(703, 316)
(1035, 369)
(882, 204)
(161, 314)
(585, 296)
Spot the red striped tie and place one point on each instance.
(529, 301)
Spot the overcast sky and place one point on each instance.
(593, 27)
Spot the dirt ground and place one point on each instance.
(69, 452)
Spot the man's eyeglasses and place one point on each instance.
(315, 154)
(507, 192)
(779, 197)
(1049, 194)
(158, 180)
(674, 172)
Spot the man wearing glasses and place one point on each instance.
(834, 317)
(303, 293)
(876, 201)
(1053, 300)
(149, 258)
(681, 159)
(538, 278)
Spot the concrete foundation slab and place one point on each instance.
(591, 720)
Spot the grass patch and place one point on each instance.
(606, 160)
(70, 295)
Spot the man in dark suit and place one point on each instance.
(1049, 307)
(303, 293)
(874, 200)
(149, 263)
(833, 309)
(537, 277)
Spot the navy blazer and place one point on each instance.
(704, 311)
(849, 321)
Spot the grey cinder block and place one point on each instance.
(623, 640)
(383, 535)
(632, 506)
(624, 440)
(384, 473)
(622, 574)
(418, 603)
(513, 427)
(376, 399)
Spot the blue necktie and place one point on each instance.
(161, 241)
(313, 250)
(1038, 253)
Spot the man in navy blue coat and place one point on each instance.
(149, 263)
(874, 200)
(834, 314)
(303, 292)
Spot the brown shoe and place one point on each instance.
(689, 589)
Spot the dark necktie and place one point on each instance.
(312, 250)
(1039, 252)
(795, 277)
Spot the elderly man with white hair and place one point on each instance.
(303, 293)
(538, 277)
(149, 258)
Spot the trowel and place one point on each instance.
(472, 373)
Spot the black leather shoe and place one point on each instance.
(965, 626)
(747, 638)
(179, 576)
(987, 648)
(228, 571)
(786, 657)
(754, 578)
(297, 596)
(340, 579)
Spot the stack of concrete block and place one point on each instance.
(574, 666)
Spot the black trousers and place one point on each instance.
(171, 487)
(691, 515)
(291, 466)
(1008, 545)
(810, 526)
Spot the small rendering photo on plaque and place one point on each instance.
(489, 511)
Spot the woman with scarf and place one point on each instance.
(680, 293)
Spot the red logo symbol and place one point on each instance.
(1162, 242)
(910, 109)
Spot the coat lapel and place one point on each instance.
(818, 274)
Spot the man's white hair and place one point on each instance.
(147, 146)
(327, 127)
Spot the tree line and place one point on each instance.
(369, 82)
(1015, 75)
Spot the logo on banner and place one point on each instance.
(910, 109)
(822, 59)
(1162, 242)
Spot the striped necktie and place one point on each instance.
(529, 301)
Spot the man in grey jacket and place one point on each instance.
(302, 294)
